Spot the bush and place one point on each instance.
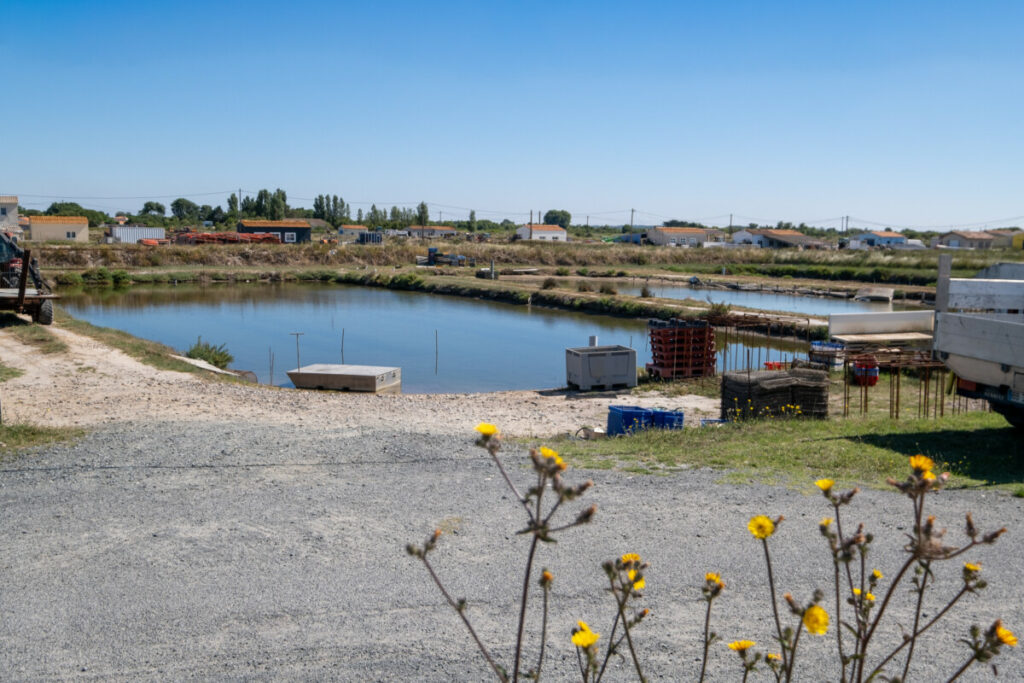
(120, 277)
(563, 271)
(68, 279)
(583, 272)
(607, 288)
(214, 355)
(549, 283)
(645, 293)
(584, 286)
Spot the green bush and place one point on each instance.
(214, 355)
(97, 276)
(563, 271)
(120, 277)
(68, 279)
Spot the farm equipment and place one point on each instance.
(434, 258)
(16, 267)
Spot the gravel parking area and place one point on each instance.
(169, 550)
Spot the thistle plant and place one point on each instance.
(541, 502)
(862, 595)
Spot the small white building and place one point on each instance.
(547, 233)
(58, 228)
(350, 231)
(9, 213)
(425, 231)
(750, 238)
(878, 238)
(683, 237)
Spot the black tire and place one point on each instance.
(1013, 414)
(44, 314)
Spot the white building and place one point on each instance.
(547, 233)
(9, 213)
(683, 237)
(58, 228)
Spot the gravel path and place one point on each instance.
(178, 549)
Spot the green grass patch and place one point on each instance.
(7, 372)
(42, 339)
(978, 448)
(17, 437)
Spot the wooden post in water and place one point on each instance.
(298, 363)
(435, 351)
(343, 346)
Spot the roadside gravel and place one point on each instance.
(242, 549)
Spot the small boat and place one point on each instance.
(875, 294)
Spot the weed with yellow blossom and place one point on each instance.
(861, 595)
(540, 503)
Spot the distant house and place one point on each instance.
(1002, 238)
(683, 237)
(425, 231)
(289, 231)
(962, 239)
(121, 219)
(547, 233)
(8, 212)
(879, 238)
(58, 228)
(351, 231)
(772, 238)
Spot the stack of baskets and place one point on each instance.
(681, 348)
(799, 392)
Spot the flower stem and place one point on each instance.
(707, 622)
(526, 582)
(792, 653)
(926, 565)
(775, 607)
(462, 614)
(962, 669)
(543, 633)
(629, 639)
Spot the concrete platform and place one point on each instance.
(370, 378)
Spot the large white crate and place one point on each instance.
(587, 367)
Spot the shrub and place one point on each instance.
(645, 293)
(563, 271)
(68, 279)
(214, 355)
(607, 288)
(120, 277)
(582, 272)
(97, 276)
(549, 283)
(584, 286)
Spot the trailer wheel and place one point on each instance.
(1013, 414)
(44, 314)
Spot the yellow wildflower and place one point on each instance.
(972, 567)
(712, 577)
(741, 645)
(868, 596)
(773, 657)
(630, 557)
(826, 522)
(816, 620)
(921, 463)
(927, 475)
(552, 456)
(639, 585)
(1005, 636)
(877, 575)
(761, 527)
(487, 429)
(584, 637)
(547, 576)
(825, 484)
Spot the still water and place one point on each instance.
(766, 301)
(480, 345)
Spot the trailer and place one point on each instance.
(17, 267)
(979, 335)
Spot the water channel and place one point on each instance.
(816, 306)
(480, 345)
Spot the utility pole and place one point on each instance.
(531, 216)
(631, 212)
(298, 365)
(730, 220)
(588, 221)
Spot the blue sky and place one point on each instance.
(902, 113)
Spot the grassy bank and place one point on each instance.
(896, 267)
(37, 336)
(978, 448)
(151, 353)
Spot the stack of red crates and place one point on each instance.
(681, 348)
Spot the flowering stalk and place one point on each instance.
(713, 586)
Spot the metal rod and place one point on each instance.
(298, 363)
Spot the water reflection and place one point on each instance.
(442, 344)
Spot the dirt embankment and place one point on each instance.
(93, 384)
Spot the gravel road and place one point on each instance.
(170, 550)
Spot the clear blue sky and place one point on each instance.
(905, 113)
